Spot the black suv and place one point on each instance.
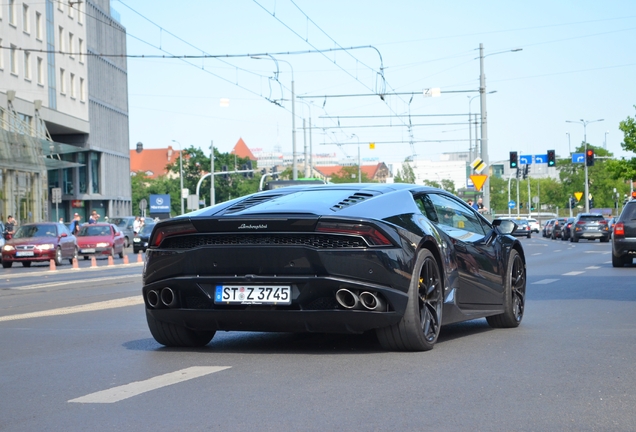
(589, 226)
(624, 244)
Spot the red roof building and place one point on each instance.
(241, 150)
(153, 162)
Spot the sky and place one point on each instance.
(577, 62)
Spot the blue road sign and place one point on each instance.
(578, 157)
(525, 160)
(511, 204)
(541, 158)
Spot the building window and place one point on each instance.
(1, 55)
(40, 66)
(38, 25)
(13, 54)
(70, 45)
(61, 39)
(71, 12)
(60, 5)
(80, 14)
(12, 14)
(94, 172)
(62, 81)
(83, 173)
(27, 65)
(72, 85)
(82, 90)
(81, 50)
(25, 18)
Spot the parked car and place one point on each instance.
(100, 239)
(400, 259)
(42, 241)
(125, 225)
(547, 228)
(2, 241)
(559, 223)
(535, 226)
(624, 243)
(522, 228)
(140, 242)
(590, 226)
(567, 229)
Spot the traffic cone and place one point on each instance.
(110, 260)
(140, 258)
(52, 265)
(75, 264)
(125, 259)
(93, 262)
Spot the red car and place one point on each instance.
(100, 239)
(41, 241)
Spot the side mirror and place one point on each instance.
(504, 226)
(63, 235)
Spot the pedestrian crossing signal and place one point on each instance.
(514, 162)
(551, 158)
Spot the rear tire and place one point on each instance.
(514, 294)
(575, 239)
(619, 261)
(172, 335)
(74, 257)
(420, 326)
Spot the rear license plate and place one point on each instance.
(252, 294)
(23, 253)
(89, 250)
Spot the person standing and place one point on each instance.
(480, 206)
(137, 225)
(75, 224)
(472, 204)
(94, 217)
(9, 228)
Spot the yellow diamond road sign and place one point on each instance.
(478, 165)
(578, 195)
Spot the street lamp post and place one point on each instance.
(569, 148)
(212, 197)
(293, 101)
(587, 183)
(359, 170)
(484, 117)
(472, 151)
(180, 174)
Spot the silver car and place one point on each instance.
(125, 225)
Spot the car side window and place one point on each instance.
(453, 214)
(427, 207)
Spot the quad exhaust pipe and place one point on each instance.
(165, 297)
(351, 300)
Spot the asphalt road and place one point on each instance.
(76, 355)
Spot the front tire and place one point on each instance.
(7, 264)
(172, 335)
(58, 256)
(514, 294)
(420, 326)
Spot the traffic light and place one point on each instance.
(589, 157)
(551, 158)
(526, 171)
(514, 162)
(634, 195)
(224, 169)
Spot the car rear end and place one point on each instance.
(590, 227)
(624, 243)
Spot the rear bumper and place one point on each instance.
(622, 246)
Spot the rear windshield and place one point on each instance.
(589, 218)
(629, 212)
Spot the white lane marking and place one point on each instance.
(71, 270)
(558, 250)
(120, 393)
(108, 304)
(599, 252)
(592, 268)
(607, 262)
(538, 253)
(544, 281)
(82, 281)
(573, 273)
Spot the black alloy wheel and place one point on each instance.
(514, 298)
(420, 326)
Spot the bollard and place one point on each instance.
(126, 259)
(93, 262)
(75, 263)
(52, 265)
(110, 260)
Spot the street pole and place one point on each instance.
(180, 174)
(294, 162)
(212, 197)
(305, 144)
(569, 148)
(484, 125)
(587, 183)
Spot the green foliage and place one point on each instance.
(625, 169)
(406, 175)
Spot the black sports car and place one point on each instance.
(399, 259)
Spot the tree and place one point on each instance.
(625, 169)
(406, 175)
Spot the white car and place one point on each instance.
(535, 226)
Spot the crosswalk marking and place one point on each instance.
(544, 281)
(126, 391)
(592, 268)
(573, 273)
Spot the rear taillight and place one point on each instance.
(603, 222)
(160, 234)
(580, 223)
(619, 229)
(372, 236)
